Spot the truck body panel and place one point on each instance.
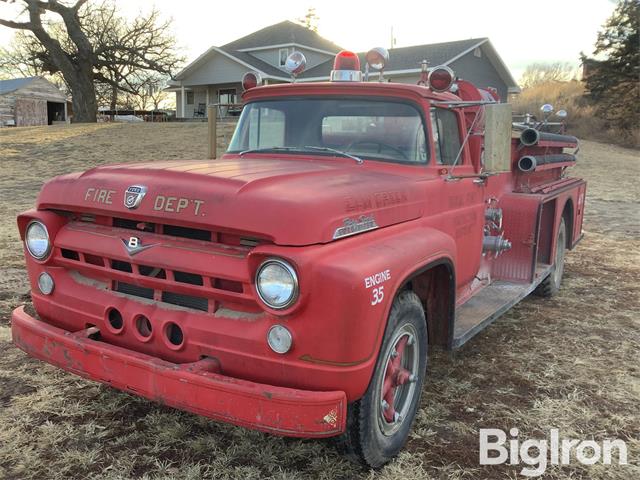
(156, 265)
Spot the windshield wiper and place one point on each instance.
(270, 149)
(306, 148)
(337, 152)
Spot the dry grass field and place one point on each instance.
(572, 362)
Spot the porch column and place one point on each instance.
(183, 99)
(207, 109)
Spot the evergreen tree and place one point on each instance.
(612, 76)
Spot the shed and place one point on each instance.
(31, 101)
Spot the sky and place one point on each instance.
(523, 31)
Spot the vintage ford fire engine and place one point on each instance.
(296, 284)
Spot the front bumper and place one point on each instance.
(197, 387)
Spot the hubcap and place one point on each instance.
(559, 260)
(398, 389)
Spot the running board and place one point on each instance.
(486, 306)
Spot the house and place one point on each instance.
(215, 76)
(31, 101)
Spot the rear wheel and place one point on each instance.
(551, 284)
(379, 423)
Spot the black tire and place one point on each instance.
(550, 285)
(370, 437)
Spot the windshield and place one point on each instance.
(366, 128)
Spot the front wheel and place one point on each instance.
(379, 423)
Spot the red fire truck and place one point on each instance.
(296, 284)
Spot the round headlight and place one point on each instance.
(279, 339)
(45, 283)
(37, 240)
(277, 283)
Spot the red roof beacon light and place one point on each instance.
(251, 80)
(346, 68)
(441, 78)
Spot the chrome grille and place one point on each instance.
(176, 287)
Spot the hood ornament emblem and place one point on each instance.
(354, 226)
(134, 245)
(133, 196)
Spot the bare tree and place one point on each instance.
(538, 73)
(93, 45)
(310, 19)
(152, 92)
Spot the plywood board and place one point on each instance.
(497, 137)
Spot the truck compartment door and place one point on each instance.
(521, 219)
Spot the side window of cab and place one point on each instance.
(446, 135)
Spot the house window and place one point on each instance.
(477, 52)
(283, 54)
(190, 98)
(446, 136)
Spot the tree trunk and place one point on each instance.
(114, 102)
(84, 101)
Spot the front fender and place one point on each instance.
(346, 292)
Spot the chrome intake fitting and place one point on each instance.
(495, 244)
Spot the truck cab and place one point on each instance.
(296, 284)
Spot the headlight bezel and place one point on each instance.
(290, 270)
(47, 252)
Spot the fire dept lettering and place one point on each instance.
(177, 204)
(99, 195)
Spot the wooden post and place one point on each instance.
(212, 133)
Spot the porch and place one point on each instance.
(192, 101)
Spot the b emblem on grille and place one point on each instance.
(134, 195)
(134, 245)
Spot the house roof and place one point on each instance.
(283, 33)
(12, 84)
(409, 58)
(401, 60)
(243, 58)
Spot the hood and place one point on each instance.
(289, 202)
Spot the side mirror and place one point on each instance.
(561, 114)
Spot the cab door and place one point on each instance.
(461, 200)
